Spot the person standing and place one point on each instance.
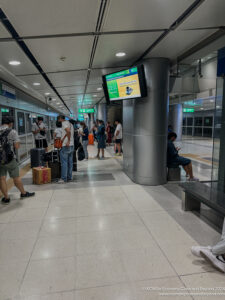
(118, 136)
(39, 130)
(101, 138)
(66, 153)
(85, 135)
(9, 140)
(109, 130)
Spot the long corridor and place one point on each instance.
(101, 237)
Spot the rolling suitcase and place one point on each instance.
(55, 165)
(37, 157)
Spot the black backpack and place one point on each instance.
(6, 153)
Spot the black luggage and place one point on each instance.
(81, 154)
(37, 157)
(55, 167)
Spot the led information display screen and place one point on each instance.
(188, 109)
(124, 84)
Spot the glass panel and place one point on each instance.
(198, 121)
(184, 121)
(184, 130)
(28, 123)
(208, 121)
(198, 131)
(189, 130)
(189, 121)
(21, 122)
(207, 132)
(30, 143)
(217, 128)
(22, 152)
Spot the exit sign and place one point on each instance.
(4, 110)
(86, 110)
(188, 110)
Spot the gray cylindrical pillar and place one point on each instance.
(101, 112)
(149, 132)
(176, 111)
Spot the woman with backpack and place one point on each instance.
(101, 138)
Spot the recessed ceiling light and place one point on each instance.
(36, 83)
(14, 62)
(94, 95)
(47, 94)
(58, 103)
(99, 89)
(211, 100)
(217, 106)
(53, 99)
(120, 54)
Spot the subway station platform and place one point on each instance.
(103, 237)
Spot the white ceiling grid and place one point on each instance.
(66, 59)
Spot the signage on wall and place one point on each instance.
(7, 91)
(4, 110)
(86, 110)
(187, 110)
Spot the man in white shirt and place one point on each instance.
(118, 135)
(66, 153)
(39, 130)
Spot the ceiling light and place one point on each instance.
(94, 95)
(217, 106)
(201, 108)
(99, 89)
(14, 62)
(120, 54)
(211, 100)
(36, 83)
(47, 94)
(53, 99)
(58, 103)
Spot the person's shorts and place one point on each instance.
(118, 141)
(180, 161)
(41, 143)
(12, 168)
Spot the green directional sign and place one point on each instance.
(187, 110)
(4, 110)
(86, 110)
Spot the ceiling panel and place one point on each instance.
(75, 50)
(210, 13)
(143, 14)
(93, 88)
(71, 90)
(68, 78)
(11, 51)
(177, 42)
(30, 17)
(96, 75)
(3, 32)
(132, 44)
(74, 98)
(36, 79)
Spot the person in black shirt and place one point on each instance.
(85, 135)
(174, 159)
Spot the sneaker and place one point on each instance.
(195, 250)
(70, 180)
(60, 181)
(216, 260)
(27, 195)
(193, 179)
(5, 201)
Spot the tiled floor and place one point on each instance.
(104, 238)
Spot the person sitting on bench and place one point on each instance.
(174, 160)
